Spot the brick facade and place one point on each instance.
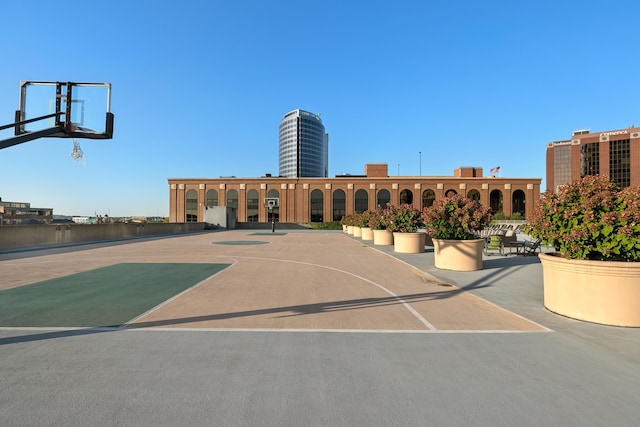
(295, 193)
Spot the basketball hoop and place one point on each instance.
(77, 153)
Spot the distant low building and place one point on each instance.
(21, 213)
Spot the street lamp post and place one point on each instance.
(420, 153)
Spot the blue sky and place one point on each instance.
(199, 88)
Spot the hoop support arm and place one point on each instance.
(26, 137)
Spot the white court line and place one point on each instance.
(269, 330)
(435, 279)
(162, 304)
(417, 315)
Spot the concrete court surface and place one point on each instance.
(303, 331)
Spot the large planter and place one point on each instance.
(367, 233)
(350, 229)
(344, 228)
(357, 231)
(458, 255)
(606, 292)
(382, 237)
(408, 243)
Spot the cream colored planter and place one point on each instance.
(357, 231)
(458, 255)
(350, 229)
(606, 292)
(382, 237)
(367, 233)
(408, 243)
(344, 228)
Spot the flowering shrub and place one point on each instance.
(403, 219)
(590, 219)
(362, 219)
(376, 220)
(455, 218)
(347, 220)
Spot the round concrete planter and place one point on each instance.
(344, 228)
(458, 255)
(408, 243)
(606, 292)
(350, 229)
(357, 232)
(367, 233)
(382, 237)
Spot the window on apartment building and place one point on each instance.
(339, 205)
(361, 201)
(192, 206)
(212, 198)
(428, 197)
(406, 197)
(317, 206)
(496, 201)
(620, 162)
(384, 197)
(232, 200)
(589, 159)
(253, 204)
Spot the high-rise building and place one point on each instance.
(614, 153)
(304, 146)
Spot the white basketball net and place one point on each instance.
(77, 153)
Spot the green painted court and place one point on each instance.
(104, 297)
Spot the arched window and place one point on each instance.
(212, 198)
(253, 204)
(495, 201)
(362, 201)
(428, 197)
(450, 193)
(274, 215)
(384, 197)
(317, 206)
(192, 206)
(232, 200)
(518, 203)
(474, 195)
(339, 205)
(406, 197)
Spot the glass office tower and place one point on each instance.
(304, 146)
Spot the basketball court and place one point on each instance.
(237, 280)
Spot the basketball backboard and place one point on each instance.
(79, 110)
(271, 202)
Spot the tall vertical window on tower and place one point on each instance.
(620, 162)
(589, 159)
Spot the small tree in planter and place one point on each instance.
(590, 219)
(378, 223)
(452, 223)
(595, 273)
(456, 218)
(403, 219)
(376, 220)
(362, 219)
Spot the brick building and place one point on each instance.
(328, 199)
(615, 153)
